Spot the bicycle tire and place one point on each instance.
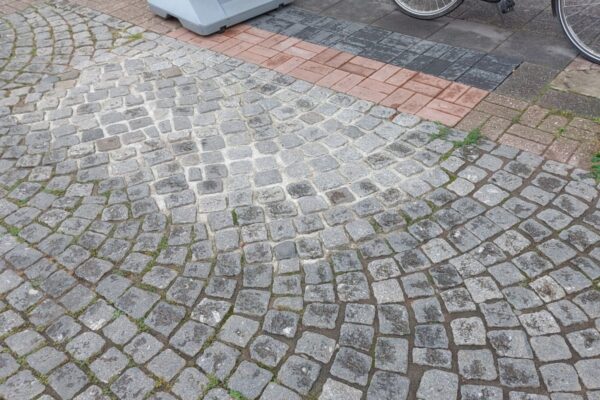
(427, 15)
(584, 49)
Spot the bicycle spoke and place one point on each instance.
(426, 7)
(581, 21)
(582, 5)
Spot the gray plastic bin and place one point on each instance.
(206, 17)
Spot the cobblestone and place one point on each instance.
(254, 233)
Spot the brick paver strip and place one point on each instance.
(550, 133)
(407, 91)
(471, 67)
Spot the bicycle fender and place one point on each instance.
(554, 7)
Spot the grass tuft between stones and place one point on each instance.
(213, 382)
(134, 37)
(442, 133)
(472, 138)
(596, 167)
(236, 395)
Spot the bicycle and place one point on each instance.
(580, 19)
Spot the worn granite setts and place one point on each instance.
(471, 67)
(177, 224)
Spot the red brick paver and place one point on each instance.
(549, 133)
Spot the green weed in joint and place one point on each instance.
(235, 395)
(134, 37)
(213, 382)
(442, 133)
(472, 138)
(56, 192)
(596, 167)
(13, 230)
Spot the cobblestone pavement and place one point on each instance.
(531, 110)
(10, 6)
(178, 224)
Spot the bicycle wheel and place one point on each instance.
(427, 9)
(580, 20)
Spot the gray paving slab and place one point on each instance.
(397, 21)
(472, 35)
(550, 51)
(527, 81)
